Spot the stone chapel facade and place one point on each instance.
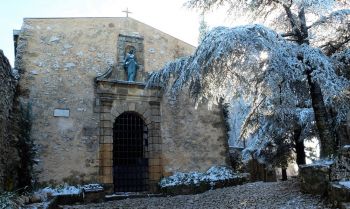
(90, 124)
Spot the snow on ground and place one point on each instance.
(47, 192)
(69, 190)
(213, 174)
(345, 183)
(265, 195)
(324, 162)
(217, 173)
(65, 190)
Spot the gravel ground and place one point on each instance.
(252, 195)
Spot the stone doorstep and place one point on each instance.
(131, 195)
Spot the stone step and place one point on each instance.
(130, 195)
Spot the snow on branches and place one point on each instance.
(260, 68)
(331, 33)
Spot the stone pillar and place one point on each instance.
(106, 145)
(155, 147)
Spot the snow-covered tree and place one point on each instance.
(203, 28)
(303, 22)
(341, 62)
(258, 66)
(331, 33)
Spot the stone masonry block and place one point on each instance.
(154, 162)
(105, 116)
(106, 163)
(108, 139)
(105, 109)
(106, 124)
(156, 119)
(106, 131)
(155, 169)
(147, 114)
(132, 107)
(157, 140)
(122, 91)
(107, 179)
(107, 171)
(106, 147)
(155, 112)
(155, 176)
(106, 155)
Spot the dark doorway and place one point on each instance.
(130, 144)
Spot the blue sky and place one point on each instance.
(168, 16)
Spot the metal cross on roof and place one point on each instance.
(127, 12)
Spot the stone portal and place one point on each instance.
(130, 136)
(130, 153)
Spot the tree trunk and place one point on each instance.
(327, 138)
(300, 150)
(299, 145)
(284, 174)
(323, 122)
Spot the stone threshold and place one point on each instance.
(130, 195)
(123, 82)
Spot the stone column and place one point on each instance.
(155, 147)
(106, 145)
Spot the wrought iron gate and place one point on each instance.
(130, 144)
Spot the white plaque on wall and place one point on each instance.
(61, 113)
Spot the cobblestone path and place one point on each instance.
(252, 195)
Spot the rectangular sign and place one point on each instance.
(61, 113)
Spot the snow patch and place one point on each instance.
(54, 39)
(65, 190)
(345, 183)
(214, 174)
(323, 162)
(92, 188)
(218, 173)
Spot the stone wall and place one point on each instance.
(194, 139)
(315, 178)
(7, 92)
(341, 167)
(58, 60)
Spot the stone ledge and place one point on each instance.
(130, 195)
(123, 83)
(339, 194)
(203, 186)
(345, 205)
(314, 178)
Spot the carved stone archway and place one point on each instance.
(115, 98)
